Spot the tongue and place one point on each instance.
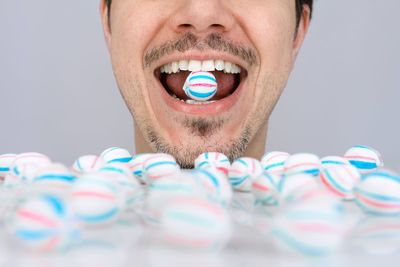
(226, 84)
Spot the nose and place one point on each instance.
(202, 16)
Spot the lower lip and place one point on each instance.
(214, 108)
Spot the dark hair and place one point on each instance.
(299, 8)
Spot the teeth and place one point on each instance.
(175, 67)
(194, 65)
(184, 65)
(208, 65)
(197, 65)
(219, 65)
(228, 67)
(193, 102)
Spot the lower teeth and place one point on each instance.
(193, 102)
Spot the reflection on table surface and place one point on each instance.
(369, 241)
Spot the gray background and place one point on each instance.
(58, 94)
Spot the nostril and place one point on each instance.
(186, 25)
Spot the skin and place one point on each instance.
(265, 28)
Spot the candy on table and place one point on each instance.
(5, 162)
(161, 191)
(215, 184)
(379, 193)
(54, 178)
(265, 189)
(159, 165)
(22, 175)
(214, 159)
(44, 223)
(364, 158)
(200, 85)
(242, 208)
(87, 163)
(130, 186)
(334, 160)
(274, 162)
(302, 162)
(309, 228)
(96, 199)
(243, 172)
(378, 235)
(25, 164)
(289, 183)
(196, 223)
(116, 154)
(340, 179)
(136, 165)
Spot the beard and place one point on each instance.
(203, 129)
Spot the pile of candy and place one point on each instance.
(46, 206)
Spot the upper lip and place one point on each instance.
(201, 55)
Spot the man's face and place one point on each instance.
(148, 38)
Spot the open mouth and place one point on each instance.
(173, 75)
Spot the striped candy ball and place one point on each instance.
(308, 229)
(340, 179)
(379, 193)
(196, 223)
(116, 154)
(44, 223)
(274, 162)
(136, 165)
(158, 166)
(302, 162)
(161, 191)
(201, 85)
(87, 163)
(290, 183)
(214, 159)
(333, 160)
(25, 164)
(215, 184)
(55, 179)
(5, 162)
(243, 172)
(130, 186)
(96, 200)
(378, 235)
(364, 158)
(265, 189)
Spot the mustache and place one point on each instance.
(213, 41)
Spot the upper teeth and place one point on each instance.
(197, 65)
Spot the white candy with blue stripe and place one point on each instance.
(274, 162)
(55, 179)
(87, 163)
(160, 165)
(364, 158)
(116, 154)
(243, 172)
(215, 184)
(213, 159)
(44, 223)
(379, 193)
(5, 162)
(201, 85)
(130, 186)
(96, 199)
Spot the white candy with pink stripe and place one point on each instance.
(302, 162)
(364, 158)
(213, 159)
(158, 166)
(274, 162)
(243, 172)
